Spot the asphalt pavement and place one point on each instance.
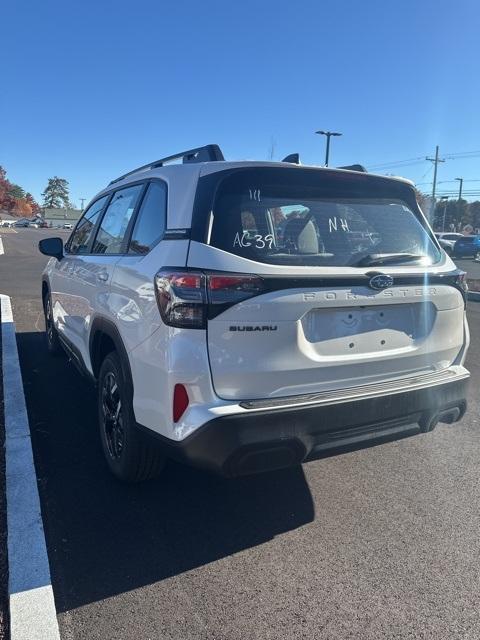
(380, 543)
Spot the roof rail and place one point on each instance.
(208, 153)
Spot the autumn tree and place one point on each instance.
(22, 208)
(6, 200)
(30, 200)
(14, 199)
(56, 193)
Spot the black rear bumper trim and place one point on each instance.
(255, 441)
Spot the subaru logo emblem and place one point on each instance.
(381, 281)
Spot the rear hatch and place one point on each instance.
(320, 280)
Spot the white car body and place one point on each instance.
(447, 240)
(295, 371)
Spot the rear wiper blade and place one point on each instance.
(387, 258)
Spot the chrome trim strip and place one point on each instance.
(452, 374)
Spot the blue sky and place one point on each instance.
(93, 89)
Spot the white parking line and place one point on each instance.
(32, 606)
(1, 247)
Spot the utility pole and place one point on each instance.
(461, 187)
(435, 161)
(328, 135)
(82, 200)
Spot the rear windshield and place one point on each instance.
(306, 221)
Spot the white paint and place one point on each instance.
(333, 224)
(31, 601)
(1, 247)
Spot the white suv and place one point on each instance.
(254, 315)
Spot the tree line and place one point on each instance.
(450, 215)
(456, 215)
(20, 203)
(14, 199)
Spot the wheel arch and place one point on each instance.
(105, 338)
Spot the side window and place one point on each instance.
(151, 220)
(111, 234)
(80, 238)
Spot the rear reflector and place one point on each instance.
(180, 402)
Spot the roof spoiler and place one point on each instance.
(207, 153)
(354, 167)
(294, 158)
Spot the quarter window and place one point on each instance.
(111, 235)
(80, 238)
(151, 220)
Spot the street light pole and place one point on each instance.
(461, 187)
(328, 135)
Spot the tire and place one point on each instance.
(53, 343)
(131, 456)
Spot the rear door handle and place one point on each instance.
(102, 276)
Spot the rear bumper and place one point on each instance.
(277, 437)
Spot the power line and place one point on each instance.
(449, 156)
(418, 184)
(395, 163)
(463, 153)
(426, 173)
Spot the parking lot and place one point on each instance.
(379, 543)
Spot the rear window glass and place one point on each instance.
(285, 224)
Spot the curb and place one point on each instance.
(31, 602)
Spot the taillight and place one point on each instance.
(230, 289)
(461, 281)
(187, 298)
(462, 285)
(181, 298)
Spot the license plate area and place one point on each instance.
(367, 329)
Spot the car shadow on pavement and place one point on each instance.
(106, 538)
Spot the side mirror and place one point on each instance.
(51, 247)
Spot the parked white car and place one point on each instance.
(246, 316)
(447, 240)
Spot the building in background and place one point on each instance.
(7, 217)
(59, 217)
